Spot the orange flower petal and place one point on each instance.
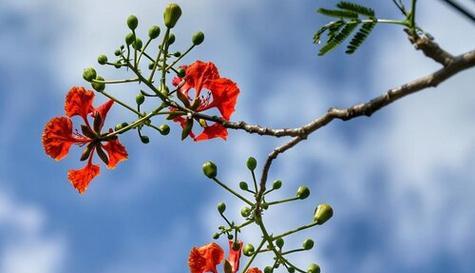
(79, 102)
(253, 270)
(225, 93)
(82, 177)
(234, 255)
(116, 153)
(198, 74)
(58, 137)
(205, 258)
(215, 130)
(103, 109)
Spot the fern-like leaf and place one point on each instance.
(359, 37)
(337, 39)
(338, 13)
(356, 8)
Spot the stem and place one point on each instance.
(120, 102)
(283, 201)
(293, 251)
(142, 50)
(130, 126)
(233, 192)
(296, 230)
(165, 38)
(116, 81)
(248, 264)
(254, 180)
(179, 58)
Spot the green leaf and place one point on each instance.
(338, 13)
(337, 39)
(359, 37)
(356, 8)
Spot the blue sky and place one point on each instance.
(401, 182)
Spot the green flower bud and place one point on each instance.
(198, 38)
(151, 65)
(164, 129)
(171, 39)
(129, 38)
(102, 59)
(251, 163)
(117, 52)
(144, 139)
(99, 86)
(153, 32)
(265, 206)
(243, 186)
(279, 242)
(177, 54)
(291, 269)
(248, 250)
(117, 65)
(137, 44)
(210, 169)
(277, 184)
(221, 207)
(268, 269)
(216, 236)
(313, 268)
(171, 15)
(303, 192)
(245, 212)
(139, 99)
(322, 213)
(132, 22)
(308, 244)
(120, 126)
(230, 236)
(89, 74)
(122, 47)
(181, 73)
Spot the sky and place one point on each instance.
(401, 182)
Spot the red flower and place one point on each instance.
(210, 91)
(206, 258)
(58, 136)
(254, 270)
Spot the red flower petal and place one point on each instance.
(79, 102)
(116, 153)
(205, 258)
(215, 130)
(58, 137)
(225, 93)
(82, 177)
(198, 75)
(254, 270)
(103, 109)
(234, 255)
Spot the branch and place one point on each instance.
(430, 48)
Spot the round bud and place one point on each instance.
(248, 250)
(139, 99)
(265, 206)
(117, 65)
(230, 236)
(89, 74)
(210, 169)
(181, 73)
(198, 38)
(102, 59)
(313, 268)
(99, 86)
(122, 47)
(268, 269)
(144, 139)
(132, 22)
(245, 212)
(171, 39)
(171, 15)
(303, 192)
(216, 236)
(118, 127)
(177, 54)
(221, 207)
(251, 163)
(277, 184)
(291, 269)
(154, 32)
(279, 242)
(243, 186)
(129, 38)
(323, 212)
(151, 65)
(137, 44)
(164, 129)
(117, 52)
(308, 244)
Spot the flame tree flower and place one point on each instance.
(210, 91)
(254, 270)
(206, 258)
(58, 136)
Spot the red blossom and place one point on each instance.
(205, 258)
(253, 270)
(210, 91)
(234, 255)
(58, 136)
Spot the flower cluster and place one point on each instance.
(59, 135)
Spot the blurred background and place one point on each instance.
(401, 183)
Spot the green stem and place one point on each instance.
(142, 50)
(295, 230)
(120, 102)
(130, 126)
(233, 192)
(254, 179)
(117, 81)
(283, 201)
(179, 58)
(293, 251)
(165, 38)
(248, 264)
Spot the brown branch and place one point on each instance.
(431, 49)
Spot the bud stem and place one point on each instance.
(249, 262)
(164, 41)
(116, 81)
(233, 192)
(179, 58)
(283, 201)
(295, 230)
